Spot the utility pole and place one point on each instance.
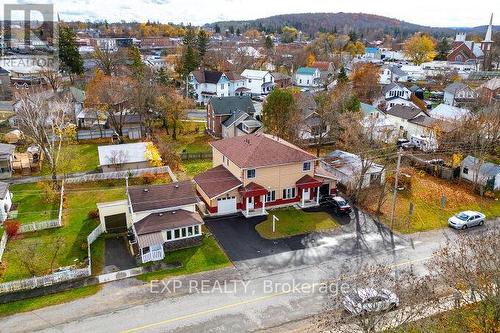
(400, 152)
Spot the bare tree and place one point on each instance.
(108, 60)
(470, 265)
(53, 78)
(417, 295)
(117, 158)
(46, 123)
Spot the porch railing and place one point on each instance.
(153, 256)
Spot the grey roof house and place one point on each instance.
(481, 172)
(6, 159)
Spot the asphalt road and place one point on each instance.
(258, 293)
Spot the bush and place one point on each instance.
(148, 178)
(12, 227)
(93, 214)
(50, 194)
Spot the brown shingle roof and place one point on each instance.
(167, 221)
(321, 65)
(217, 181)
(151, 197)
(259, 150)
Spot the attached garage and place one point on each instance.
(116, 223)
(226, 205)
(114, 216)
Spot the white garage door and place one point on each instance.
(226, 205)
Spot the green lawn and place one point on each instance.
(295, 222)
(31, 304)
(79, 200)
(31, 205)
(194, 167)
(207, 256)
(425, 194)
(77, 157)
(193, 139)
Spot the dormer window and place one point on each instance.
(250, 173)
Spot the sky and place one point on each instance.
(438, 13)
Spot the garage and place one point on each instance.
(226, 205)
(116, 223)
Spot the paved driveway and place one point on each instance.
(117, 256)
(255, 256)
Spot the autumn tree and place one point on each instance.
(355, 48)
(173, 108)
(310, 60)
(289, 34)
(252, 34)
(280, 114)
(365, 78)
(420, 48)
(109, 61)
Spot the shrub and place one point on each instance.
(93, 214)
(50, 194)
(12, 227)
(148, 178)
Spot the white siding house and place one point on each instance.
(259, 82)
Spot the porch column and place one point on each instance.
(317, 195)
(246, 206)
(303, 198)
(263, 203)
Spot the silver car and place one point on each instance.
(368, 300)
(466, 219)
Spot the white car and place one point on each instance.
(367, 300)
(466, 219)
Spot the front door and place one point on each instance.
(250, 203)
(306, 194)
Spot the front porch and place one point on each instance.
(253, 200)
(309, 188)
(151, 247)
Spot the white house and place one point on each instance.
(162, 217)
(481, 172)
(5, 201)
(375, 124)
(206, 84)
(307, 77)
(393, 74)
(396, 94)
(347, 168)
(259, 82)
(459, 93)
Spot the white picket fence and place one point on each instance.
(35, 226)
(48, 280)
(3, 243)
(119, 174)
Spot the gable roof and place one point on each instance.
(403, 111)
(231, 105)
(280, 76)
(349, 163)
(217, 181)
(306, 71)
(232, 76)
(167, 221)
(455, 86)
(391, 86)
(492, 84)
(163, 196)
(305, 103)
(6, 149)
(259, 150)
(445, 111)
(397, 71)
(254, 74)
(321, 65)
(234, 117)
(132, 153)
(486, 168)
(367, 109)
(203, 76)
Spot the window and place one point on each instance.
(249, 80)
(196, 229)
(190, 231)
(466, 171)
(306, 166)
(271, 196)
(250, 173)
(222, 86)
(184, 232)
(177, 233)
(289, 193)
(169, 234)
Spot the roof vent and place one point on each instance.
(146, 190)
(160, 214)
(173, 212)
(176, 185)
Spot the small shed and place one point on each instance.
(481, 172)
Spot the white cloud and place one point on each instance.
(442, 13)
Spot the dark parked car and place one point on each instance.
(340, 205)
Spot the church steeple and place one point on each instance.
(486, 45)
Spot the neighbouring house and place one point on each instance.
(372, 53)
(127, 156)
(481, 172)
(161, 217)
(237, 85)
(376, 125)
(393, 74)
(459, 94)
(326, 69)
(307, 77)
(132, 125)
(231, 116)
(281, 80)
(253, 172)
(417, 91)
(348, 168)
(6, 159)
(449, 113)
(401, 115)
(207, 84)
(5, 201)
(396, 94)
(489, 91)
(311, 126)
(259, 82)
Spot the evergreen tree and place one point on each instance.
(189, 57)
(268, 43)
(163, 77)
(217, 29)
(137, 65)
(342, 77)
(443, 47)
(238, 32)
(70, 58)
(202, 43)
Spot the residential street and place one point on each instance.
(249, 297)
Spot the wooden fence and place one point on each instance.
(441, 171)
(196, 156)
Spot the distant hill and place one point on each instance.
(368, 25)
